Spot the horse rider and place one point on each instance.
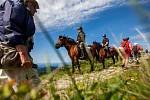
(105, 44)
(146, 51)
(136, 51)
(81, 41)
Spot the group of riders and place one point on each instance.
(131, 51)
(81, 42)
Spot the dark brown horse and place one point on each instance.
(73, 51)
(100, 51)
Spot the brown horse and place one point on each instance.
(100, 51)
(113, 50)
(73, 51)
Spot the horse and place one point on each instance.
(113, 50)
(100, 51)
(73, 51)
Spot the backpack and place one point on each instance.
(135, 49)
(9, 58)
(5, 15)
(123, 44)
(2, 10)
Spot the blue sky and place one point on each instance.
(116, 18)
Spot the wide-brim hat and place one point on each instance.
(104, 35)
(79, 28)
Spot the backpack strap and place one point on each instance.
(6, 17)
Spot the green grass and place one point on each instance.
(132, 84)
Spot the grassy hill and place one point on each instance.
(112, 83)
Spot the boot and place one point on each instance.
(82, 54)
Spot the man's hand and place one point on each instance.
(24, 57)
(106, 43)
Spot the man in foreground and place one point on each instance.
(16, 42)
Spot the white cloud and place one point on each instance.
(55, 13)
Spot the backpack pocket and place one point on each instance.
(10, 58)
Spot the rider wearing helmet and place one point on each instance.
(81, 40)
(105, 43)
(136, 51)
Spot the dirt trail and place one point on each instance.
(90, 78)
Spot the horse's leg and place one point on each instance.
(103, 62)
(77, 63)
(92, 64)
(116, 55)
(73, 66)
(113, 59)
(92, 67)
(79, 67)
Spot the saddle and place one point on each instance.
(84, 52)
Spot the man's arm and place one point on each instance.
(82, 36)
(14, 31)
(17, 37)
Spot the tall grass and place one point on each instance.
(130, 84)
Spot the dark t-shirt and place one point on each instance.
(81, 37)
(105, 40)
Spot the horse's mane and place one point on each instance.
(99, 44)
(70, 40)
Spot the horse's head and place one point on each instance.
(60, 42)
(140, 47)
(96, 45)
